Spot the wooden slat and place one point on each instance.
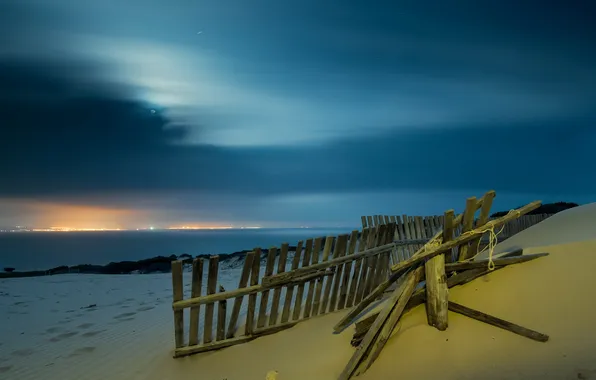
(252, 298)
(448, 232)
(221, 317)
(312, 284)
(418, 227)
(468, 224)
(407, 229)
(343, 294)
(340, 250)
(357, 268)
(363, 219)
(300, 291)
(370, 221)
(319, 286)
(498, 322)
(285, 315)
(210, 307)
(380, 323)
(376, 220)
(386, 219)
(482, 219)
(197, 283)
(281, 267)
(262, 319)
(366, 264)
(178, 295)
(246, 269)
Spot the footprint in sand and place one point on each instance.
(124, 315)
(92, 333)
(63, 336)
(145, 308)
(82, 351)
(23, 352)
(124, 306)
(84, 326)
(52, 330)
(5, 369)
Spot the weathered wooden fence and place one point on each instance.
(341, 271)
(320, 276)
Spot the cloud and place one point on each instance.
(270, 73)
(67, 139)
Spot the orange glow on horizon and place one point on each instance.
(67, 217)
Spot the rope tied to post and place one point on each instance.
(492, 241)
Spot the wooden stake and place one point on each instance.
(357, 268)
(347, 272)
(437, 293)
(197, 282)
(311, 285)
(300, 291)
(285, 315)
(468, 224)
(246, 269)
(482, 219)
(210, 307)
(281, 267)
(178, 295)
(369, 339)
(497, 322)
(394, 316)
(221, 317)
(327, 294)
(448, 232)
(262, 319)
(319, 285)
(252, 298)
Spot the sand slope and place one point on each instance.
(573, 225)
(551, 295)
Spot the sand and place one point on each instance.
(551, 295)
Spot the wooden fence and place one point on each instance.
(342, 270)
(320, 276)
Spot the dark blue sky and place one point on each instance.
(290, 112)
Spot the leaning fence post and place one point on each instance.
(178, 295)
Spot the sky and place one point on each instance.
(290, 113)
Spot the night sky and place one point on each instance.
(287, 113)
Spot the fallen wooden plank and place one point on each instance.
(369, 339)
(389, 325)
(456, 267)
(497, 322)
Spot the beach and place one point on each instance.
(54, 331)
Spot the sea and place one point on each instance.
(44, 250)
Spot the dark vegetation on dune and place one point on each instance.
(159, 264)
(162, 264)
(547, 208)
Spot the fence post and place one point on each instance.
(178, 295)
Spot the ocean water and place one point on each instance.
(44, 250)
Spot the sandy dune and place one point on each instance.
(551, 295)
